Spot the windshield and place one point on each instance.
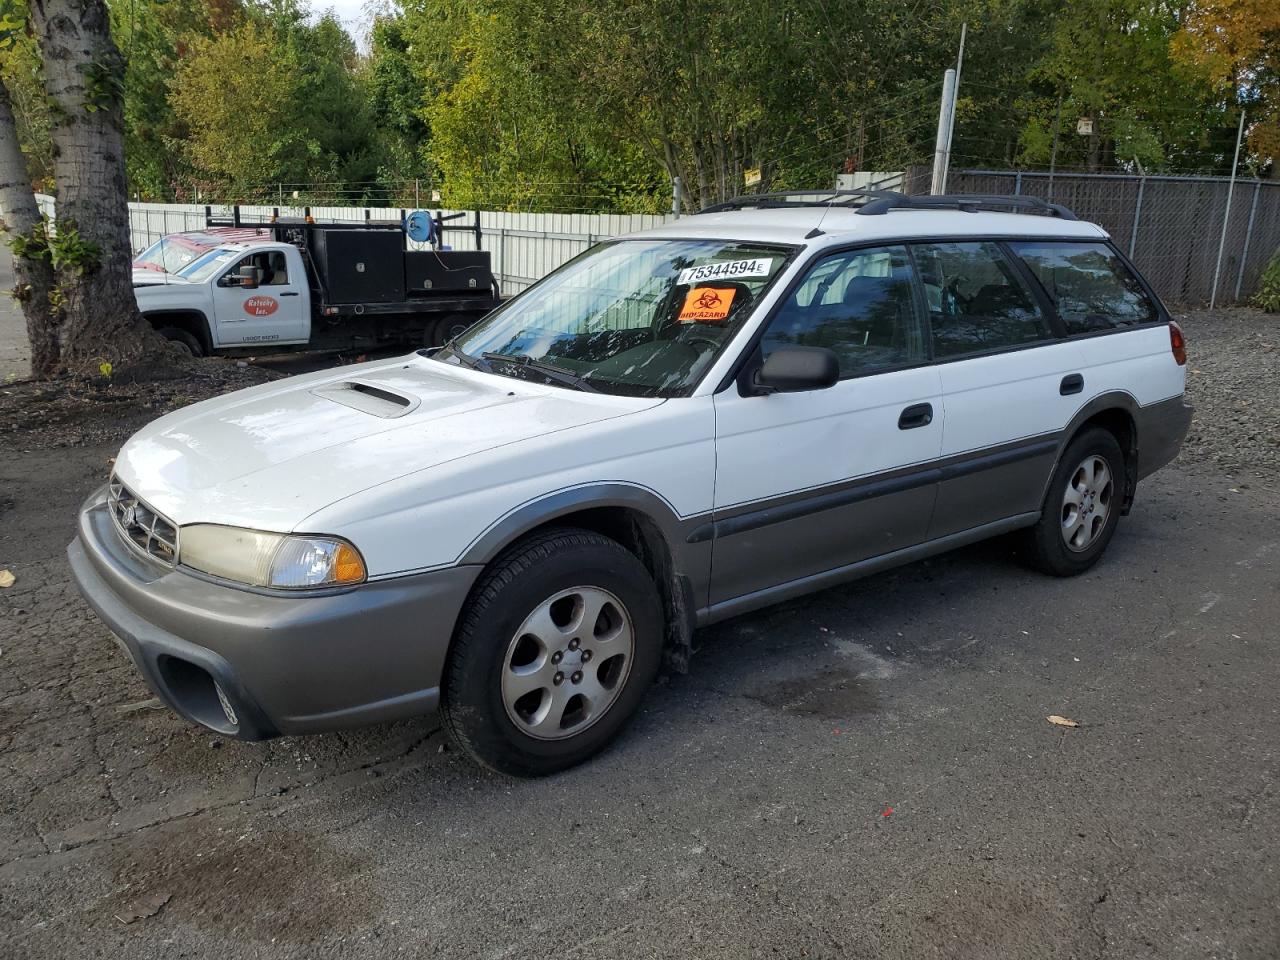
(635, 317)
(206, 265)
(168, 254)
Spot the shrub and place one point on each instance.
(1268, 295)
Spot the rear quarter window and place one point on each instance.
(1089, 285)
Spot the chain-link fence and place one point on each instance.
(1169, 225)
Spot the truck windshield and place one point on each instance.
(168, 254)
(634, 317)
(205, 266)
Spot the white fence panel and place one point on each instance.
(523, 247)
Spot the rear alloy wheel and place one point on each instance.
(556, 647)
(1082, 508)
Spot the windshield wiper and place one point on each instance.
(548, 370)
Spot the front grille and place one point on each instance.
(141, 526)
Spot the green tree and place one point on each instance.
(236, 95)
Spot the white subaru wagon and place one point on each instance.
(777, 395)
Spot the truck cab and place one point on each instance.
(237, 294)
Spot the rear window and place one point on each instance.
(1090, 286)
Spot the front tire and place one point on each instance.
(554, 652)
(1082, 508)
(183, 338)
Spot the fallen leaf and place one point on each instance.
(1062, 721)
(888, 812)
(144, 907)
(6, 578)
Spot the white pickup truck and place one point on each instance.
(322, 286)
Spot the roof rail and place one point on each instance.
(969, 202)
(873, 202)
(795, 198)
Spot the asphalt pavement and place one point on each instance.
(15, 350)
(868, 772)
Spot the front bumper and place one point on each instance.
(282, 664)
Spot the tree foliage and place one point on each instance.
(598, 104)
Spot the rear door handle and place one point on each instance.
(289, 293)
(1071, 383)
(916, 415)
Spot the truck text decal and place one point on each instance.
(261, 306)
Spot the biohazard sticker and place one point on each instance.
(707, 305)
(261, 306)
(726, 270)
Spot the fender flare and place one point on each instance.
(537, 512)
(1120, 400)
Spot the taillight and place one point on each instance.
(1178, 344)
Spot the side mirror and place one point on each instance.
(792, 369)
(248, 278)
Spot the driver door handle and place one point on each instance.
(916, 415)
(289, 293)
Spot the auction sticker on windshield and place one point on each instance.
(727, 270)
(706, 305)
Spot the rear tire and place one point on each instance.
(183, 338)
(1082, 508)
(553, 654)
(445, 329)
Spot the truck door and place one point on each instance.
(276, 311)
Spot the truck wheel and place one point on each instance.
(554, 652)
(446, 328)
(184, 339)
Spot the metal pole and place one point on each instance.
(955, 98)
(677, 196)
(1053, 151)
(1226, 215)
(416, 201)
(502, 257)
(943, 141)
(1137, 215)
(1017, 184)
(1248, 235)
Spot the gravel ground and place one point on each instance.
(863, 773)
(1233, 379)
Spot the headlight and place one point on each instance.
(270, 559)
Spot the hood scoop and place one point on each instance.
(368, 398)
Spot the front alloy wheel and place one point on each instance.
(566, 665)
(553, 653)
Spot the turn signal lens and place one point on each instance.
(1178, 343)
(348, 567)
(316, 562)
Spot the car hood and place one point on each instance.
(270, 456)
(155, 278)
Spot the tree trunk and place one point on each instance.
(33, 274)
(83, 74)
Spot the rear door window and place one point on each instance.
(977, 300)
(1089, 285)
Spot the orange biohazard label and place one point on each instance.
(706, 304)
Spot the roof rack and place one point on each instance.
(871, 202)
